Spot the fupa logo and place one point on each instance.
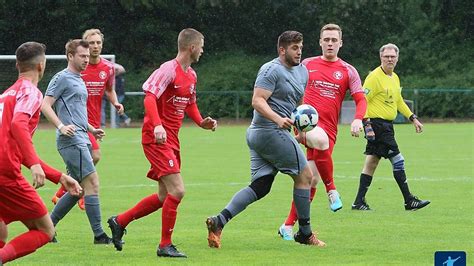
(450, 258)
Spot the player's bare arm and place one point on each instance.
(259, 103)
(97, 132)
(112, 96)
(47, 110)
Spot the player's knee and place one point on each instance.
(317, 139)
(262, 185)
(179, 193)
(398, 162)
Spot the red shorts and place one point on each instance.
(164, 160)
(95, 144)
(20, 203)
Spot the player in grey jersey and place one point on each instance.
(279, 88)
(68, 94)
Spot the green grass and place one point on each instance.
(216, 165)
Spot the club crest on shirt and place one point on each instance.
(337, 75)
(102, 75)
(192, 89)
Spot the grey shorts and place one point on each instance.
(273, 150)
(78, 160)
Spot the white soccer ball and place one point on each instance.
(305, 117)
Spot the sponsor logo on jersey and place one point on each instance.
(338, 75)
(192, 89)
(102, 75)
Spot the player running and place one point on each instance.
(19, 117)
(99, 77)
(329, 79)
(170, 93)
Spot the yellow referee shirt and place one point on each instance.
(384, 96)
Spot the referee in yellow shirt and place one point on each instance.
(384, 99)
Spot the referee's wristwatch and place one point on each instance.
(413, 117)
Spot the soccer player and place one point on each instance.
(99, 77)
(384, 98)
(67, 93)
(278, 89)
(329, 79)
(19, 117)
(170, 92)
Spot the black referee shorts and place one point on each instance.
(384, 144)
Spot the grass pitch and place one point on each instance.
(215, 165)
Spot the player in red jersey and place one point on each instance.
(170, 92)
(99, 77)
(329, 80)
(19, 117)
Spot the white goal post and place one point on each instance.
(54, 64)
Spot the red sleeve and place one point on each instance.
(151, 109)
(20, 129)
(193, 112)
(361, 105)
(52, 174)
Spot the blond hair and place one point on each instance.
(331, 26)
(187, 37)
(71, 46)
(91, 32)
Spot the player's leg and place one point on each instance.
(144, 207)
(41, 231)
(175, 192)
(411, 201)
(301, 194)
(370, 164)
(286, 229)
(92, 206)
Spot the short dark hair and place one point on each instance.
(71, 46)
(187, 37)
(289, 37)
(29, 54)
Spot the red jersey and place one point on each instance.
(326, 89)
(21, 97)
(97, 78)
(174, 90)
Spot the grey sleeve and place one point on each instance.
(56, 86)
(266, 77)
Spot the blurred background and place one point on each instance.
(435, 38)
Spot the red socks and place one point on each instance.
(23, 245)
(168, 219)
(61, 191)
(293, 216)
(325, 167)
(146, 206)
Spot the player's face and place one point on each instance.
(293, 54)
(95, 45)
(80, 59)
(197, 50)
(330, 43)
(389, 59)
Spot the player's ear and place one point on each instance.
(340, 45)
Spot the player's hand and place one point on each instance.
(285, 122)
(418, 125)
(98, 133)
(160, 134)
(209, 123)
(68, 130)
(38, 175)
(71, 185)
(119, 107)
(356, 127)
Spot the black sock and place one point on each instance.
(224, 217)
(401, 179)
(364, 184)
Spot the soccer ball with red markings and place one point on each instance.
(305, 117)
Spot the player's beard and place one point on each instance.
(291, 61)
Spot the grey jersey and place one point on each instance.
(70, 93)
(287, 86)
